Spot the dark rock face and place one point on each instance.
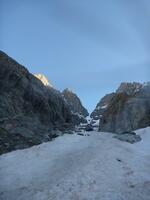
(129, 88)
(89, 127)
(29, 110)
(127, 111)
(101, 106)
(75, 104)
(77, 119)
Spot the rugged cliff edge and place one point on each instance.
(43, 79)
(127, 109)
(29, 109)
(101, 106)
(75, 105)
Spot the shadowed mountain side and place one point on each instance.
(101, 106)
(128, 109)
(28, 109)
(43, 79)
(74, 103)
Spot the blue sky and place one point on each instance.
(89, 46)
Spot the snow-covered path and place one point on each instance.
(73, 167)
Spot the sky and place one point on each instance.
(89, 46)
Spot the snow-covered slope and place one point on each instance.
(73, 167)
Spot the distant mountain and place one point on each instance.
(74, 103)
(125, 110)
(29, 109)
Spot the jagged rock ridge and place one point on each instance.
(128, 109)
(43, 79)
(129, 88)
(74, 103)
(101, 106)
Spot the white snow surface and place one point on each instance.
(103, 107)
(73, 167)
(96, 123)
(89, 119)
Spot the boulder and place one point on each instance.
(89, 127)
(128, 137)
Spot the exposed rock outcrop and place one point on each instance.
(128, 110)
(43, 79)
(29, 110)
(101, 106)
(75, 105)
(129, 88)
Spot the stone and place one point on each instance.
(119, 160)
(89, 127)
(127, 137)
(131, 133)
(68, 132)
(81, 134)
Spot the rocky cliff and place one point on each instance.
(29, 109)
(43, 79)
(125, 87)
(128, 109)
(74, 103)
(129, 88)
(101, 106)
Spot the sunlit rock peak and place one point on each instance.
(43, 79)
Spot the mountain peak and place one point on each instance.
(129, 88)
(43, 79)
(68, 90)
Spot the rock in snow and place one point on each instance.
(89, 127)
(72, 167)
(128, 137)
